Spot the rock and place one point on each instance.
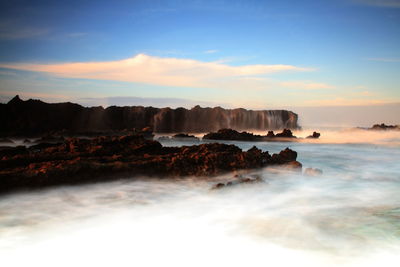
(383, 126)
(185, 137)
(312, 172)
(34, 117)
(314, 135)
(78, 160)
(229, 134)
(286, 133)
(285, 156)
(270, 134)
(27, 141)
(240, 180)
(294, 165)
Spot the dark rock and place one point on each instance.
(27, 141)
(34, 117)
(241, 180)
(229, 134)
(286, 133)
(270, 134)
(78, 160)
(314, 135)
(383, 126)
(185, 137)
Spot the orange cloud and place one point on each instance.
(160, 71)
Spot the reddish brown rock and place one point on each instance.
(79, 160)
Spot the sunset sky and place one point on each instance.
(252, 54)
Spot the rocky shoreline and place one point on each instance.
(232, 135)
(78, 160)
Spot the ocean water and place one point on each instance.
(348, 216)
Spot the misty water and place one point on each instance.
(348, 216)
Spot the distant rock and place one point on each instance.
(185, 137)
(384, 127)
(34, 118)
(233, 135)
(315, 135)
(286, 133)
(230, 134)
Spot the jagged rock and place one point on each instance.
(314, 135)
(78, 160)
(286, 133)
(312, 172)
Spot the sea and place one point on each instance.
(347, 216)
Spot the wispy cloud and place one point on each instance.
(380, 3)
(381, 59)
(212, 51)
(13, 30)
(76, 34)
(306, 85)
(162, 71)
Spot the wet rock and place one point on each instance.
(312, 172)
(78, 160)
(315, 135)
(237, 181)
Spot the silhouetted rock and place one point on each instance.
(383, 126)
(270, 134)
(185, 137)
(286, 133)
(78, 160)
(229, 134)
(34, 117)
(315, 135)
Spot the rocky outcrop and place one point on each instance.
(314, 135)
(384, 127)
(78, 160)
(233, 135)
(34, 117)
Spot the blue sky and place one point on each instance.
(253, 54)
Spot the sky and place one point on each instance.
(251, 54)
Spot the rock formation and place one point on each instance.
(34, 117)
(78, 160)
(233, 135)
